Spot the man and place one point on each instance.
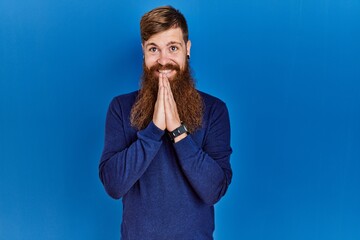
(167, 146)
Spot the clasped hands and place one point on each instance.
(165, 112)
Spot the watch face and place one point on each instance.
(177, 132)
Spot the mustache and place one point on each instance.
(168, 66)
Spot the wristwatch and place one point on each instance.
(177, 132)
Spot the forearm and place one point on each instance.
(209, 177)
(119, 169)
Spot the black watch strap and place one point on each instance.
(177, 132)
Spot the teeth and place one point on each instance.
(165, 71)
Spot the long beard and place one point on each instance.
(188, 101)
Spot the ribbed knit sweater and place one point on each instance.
(168, 189)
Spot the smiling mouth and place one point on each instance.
(165, 71)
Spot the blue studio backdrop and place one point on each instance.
(289, 72)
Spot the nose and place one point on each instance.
(163, 58)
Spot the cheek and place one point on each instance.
(149, 62)
(181, 62)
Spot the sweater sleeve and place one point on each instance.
(121, 163)
(208, 168)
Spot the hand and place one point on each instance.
(172, 118)
(159, 109)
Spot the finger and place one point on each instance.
(171, 114)
(171, 97)
(162, 86)
(161, 92)
(166, 103)
(159, 111)
(167, 84)
(170, 91)
(168, 98)
(161, 81)
(166, 95)
(159, 86)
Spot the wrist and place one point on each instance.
(173, 127)
(180, 137)
(178, 133)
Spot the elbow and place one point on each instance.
(112, 189)
(210, 201)
(211, 198)
(113, 193)
(218, 188)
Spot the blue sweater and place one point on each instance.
(168, 189)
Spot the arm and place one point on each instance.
(121, 164)
(208, 169)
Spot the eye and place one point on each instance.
(173, 48)
(152, 49)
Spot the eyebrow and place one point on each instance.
(173, 42)
(168, 44)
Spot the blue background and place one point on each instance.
(289, 72)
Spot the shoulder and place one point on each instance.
(122, 104)
(215, 110)
(211, 101)
(126, 98)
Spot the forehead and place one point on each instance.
(166, 37)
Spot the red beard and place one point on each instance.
(188, 101)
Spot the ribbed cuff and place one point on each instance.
(152, 132)
(186, 147)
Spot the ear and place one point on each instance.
(143, 50)
(188, 47)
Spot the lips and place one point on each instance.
(167, 71)
(170, 70)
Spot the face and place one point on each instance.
(166, 52)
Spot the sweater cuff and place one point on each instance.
(152, 132)
(186, 147)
